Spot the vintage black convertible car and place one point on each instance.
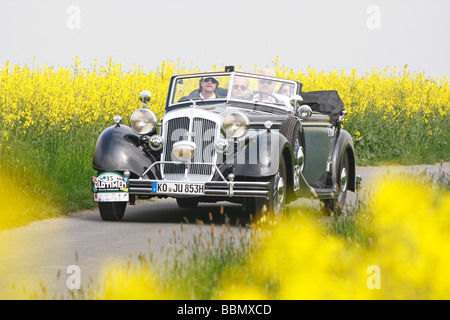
(228, 136)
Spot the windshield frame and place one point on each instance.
(174, 82)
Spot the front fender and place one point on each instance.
(259, 156)
(118, 149)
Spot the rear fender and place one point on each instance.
(344, 144)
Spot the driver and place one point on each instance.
(207, 89)
(267, 86)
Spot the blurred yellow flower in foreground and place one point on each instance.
(413, 222)
(131, 282)
(296, 258)
(410, 258)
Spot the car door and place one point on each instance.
(318, 133)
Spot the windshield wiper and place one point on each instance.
(281, 103)
(186, 99)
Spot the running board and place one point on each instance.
(324, 193)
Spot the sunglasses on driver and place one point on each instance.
(210, 79)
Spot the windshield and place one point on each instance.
(234, 86)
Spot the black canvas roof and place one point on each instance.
(325, 101)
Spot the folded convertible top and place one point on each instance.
(325, 101)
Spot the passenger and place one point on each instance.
(286, 90)
(239, 87)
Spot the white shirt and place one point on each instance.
(212, 97)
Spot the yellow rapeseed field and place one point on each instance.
(61, 97)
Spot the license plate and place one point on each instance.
(110, 187)
(178, 188)
(111, 196)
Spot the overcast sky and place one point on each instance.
(322, 34)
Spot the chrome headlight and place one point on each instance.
(183, 150)
(235, 125)
(304, 112)
(143, 121)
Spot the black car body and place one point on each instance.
(258, 149)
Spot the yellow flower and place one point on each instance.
(126, 282)
(409, 259)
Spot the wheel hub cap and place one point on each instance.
(279, 194)
(343, 180)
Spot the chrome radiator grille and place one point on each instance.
(202, 132)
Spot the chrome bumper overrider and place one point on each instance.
(224, 188)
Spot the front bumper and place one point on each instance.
(209, 188)
(112, 186)
(224, 188)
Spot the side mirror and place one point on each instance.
(341, 117)
(296, 101)
(145, 96)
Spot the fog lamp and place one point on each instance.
(184, 150)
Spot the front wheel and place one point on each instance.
(277, 195)
(112, 211)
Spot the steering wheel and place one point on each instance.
(261, 93)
